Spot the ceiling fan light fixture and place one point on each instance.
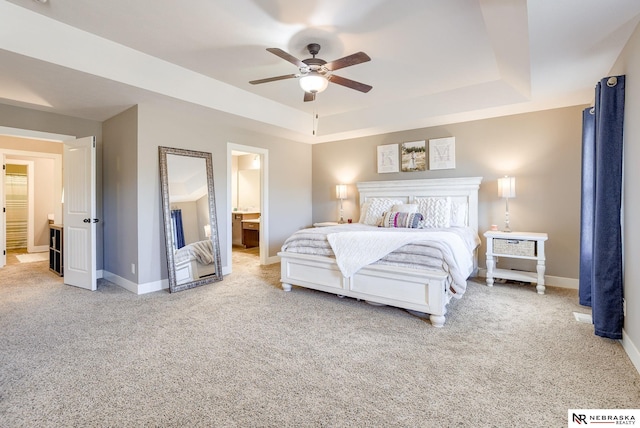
(314, 83)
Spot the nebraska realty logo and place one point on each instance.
(582, 417)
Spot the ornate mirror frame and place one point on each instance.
(177, 281)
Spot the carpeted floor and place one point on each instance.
(243, 353)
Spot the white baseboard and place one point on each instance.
(150, 287)
(551, 281)
(39, 249)
(145, 288)
(120, 281)
(562, 282)
(273, 260)
(226, 270)
(631, 349)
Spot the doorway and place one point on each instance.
(32, 200)
(31, 195)
(247, 225)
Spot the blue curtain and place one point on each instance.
(178, 231)
(601, 232)
(587, 210)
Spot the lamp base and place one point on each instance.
(506, 219)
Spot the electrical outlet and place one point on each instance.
(133, 268)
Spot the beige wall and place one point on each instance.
(30, 145)
(249, 189)
(629, 64)
(542, 150)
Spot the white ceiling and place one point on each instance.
(187, 178)
(432, 61)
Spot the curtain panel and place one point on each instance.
(601, 276)
(178, 231)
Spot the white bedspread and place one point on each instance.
(355, 250)
(201, 251)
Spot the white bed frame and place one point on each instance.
(420, 290)
(191, 270)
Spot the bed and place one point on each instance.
(194, 261)
(331, 259)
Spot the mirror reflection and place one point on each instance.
(193, 253)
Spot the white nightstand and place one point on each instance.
(516, 245)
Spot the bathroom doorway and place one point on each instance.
(247, 219)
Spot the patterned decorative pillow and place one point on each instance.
(436, 211)
(401, 219)
(372, 210)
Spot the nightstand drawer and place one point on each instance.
(514, 247)
(251, 226)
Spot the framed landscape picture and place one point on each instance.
(442, 153)
(388, 158)
(414, 156)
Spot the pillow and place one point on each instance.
(405, 208)
(436, 211)
(363, 212)
(401, 219)
(458, 214)
(372, 210)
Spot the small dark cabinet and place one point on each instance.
(55, 249)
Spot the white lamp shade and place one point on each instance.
(207, 230)
(507, 187)
(341, 191)
(313, 83)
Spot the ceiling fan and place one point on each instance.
(315, 73)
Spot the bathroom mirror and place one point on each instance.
(190, 227)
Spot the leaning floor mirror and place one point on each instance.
(190, 227)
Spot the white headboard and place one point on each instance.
(460, 189)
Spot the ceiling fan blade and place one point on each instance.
(309, 96)
(350, 83)
(273, 79)
(347, 61)
(287, 57)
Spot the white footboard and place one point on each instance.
(418, 290)
(191, 270)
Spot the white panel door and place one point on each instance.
(79, 240)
